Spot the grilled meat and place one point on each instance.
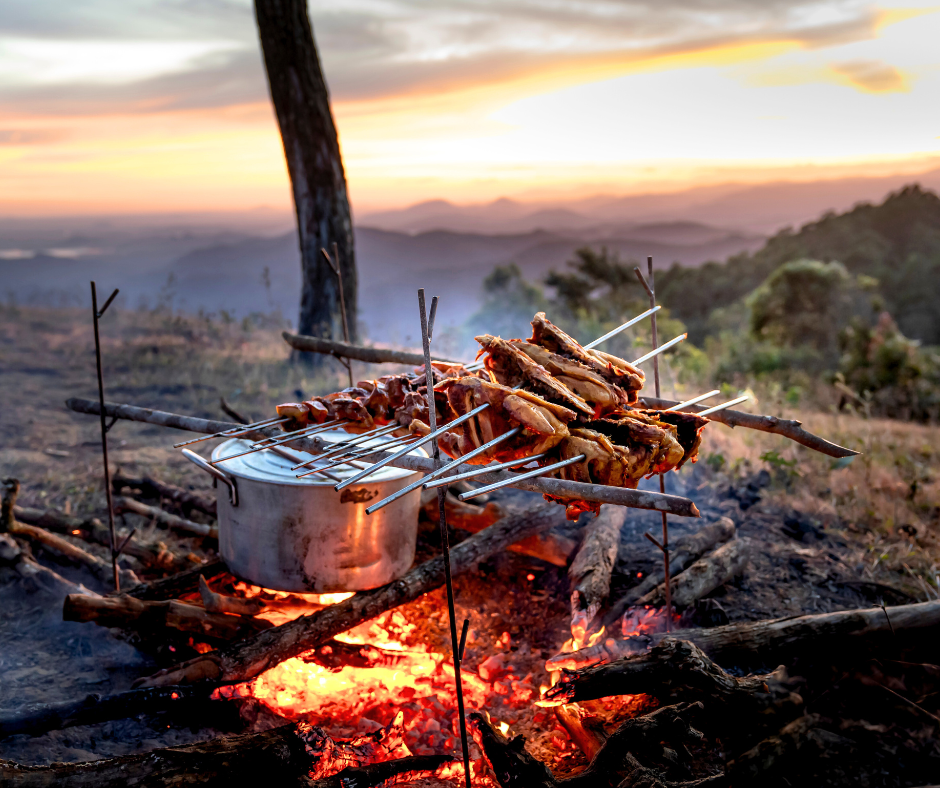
(612, 369)
(513, 367)
(586, 384)
(543, 423)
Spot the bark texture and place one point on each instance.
(314, 162)
(704, 576)
(592, 567)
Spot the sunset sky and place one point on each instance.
(120, 106)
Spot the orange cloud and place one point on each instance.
(871, 76)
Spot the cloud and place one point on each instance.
(19, 137)
(872, 76)
(375, 49)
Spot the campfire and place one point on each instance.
(649, 684)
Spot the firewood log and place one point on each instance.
(280, 757)
(591, 569)
(676, 670)
(704, 576)
(123, 505)
(217, 603)
(32, 572)
(93, 530)
(155, 488)
(153, 616)
(514, 767)
(177, 585)
(588, 734)
(56, 544)
(684, 551)
(248, 658)
(828, 634)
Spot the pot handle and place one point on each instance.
(223, 477)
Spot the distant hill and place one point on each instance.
(896, 242)
(761, 209)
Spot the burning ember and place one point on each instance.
(362, 688)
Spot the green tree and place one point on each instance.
(509, 303)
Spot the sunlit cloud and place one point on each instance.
(163, 104)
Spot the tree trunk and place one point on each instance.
(314, 162)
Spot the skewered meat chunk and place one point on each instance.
(513, 367)
(295, 413)
(586, 384)
(620, 451)
(543, 423)
(612, 369)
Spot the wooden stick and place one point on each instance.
(637, 499)
(124, 505)
(248, 658)
(842, 630)
(100, 569)
(217, 603)
(92, 709)
(788, 428)
(278, 757)
(155, 488)
(513, 766)
(592, 567)
(676, 670)
(152, 616)
(371, 355)
(686, 549)
(32, 571)
(92, 529)
(185, 582)
(704, 576)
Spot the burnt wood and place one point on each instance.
(180, 584)
(314, 163)
(124, 505)
(155, 488)
(591, 569)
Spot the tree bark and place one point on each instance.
(155, 488)
(844, 630)
(248, 658)
(314, 162)
(704, 576)
(591, 569)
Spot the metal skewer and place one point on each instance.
(444, 468)
(656, 351)
(722, 406)
(456, 648)
(482, 471)
(529, 475)
(344, 445)
(624, 327)
(401, 453)
(349, 459)
(692, 401)
(234, 432)
(313, 429)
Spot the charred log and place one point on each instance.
(217, 603)
(155, 616)
(834, 633)
(93, 530)
(704, 576)
(591, 569)
(677, 670)
(514, 767)
(124, 505)
(155, 488)
(185, 582)
(684, 551)
(31, 571)
(246, 659)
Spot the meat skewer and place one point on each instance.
(235, 431)
(500, 466)
(529, 475)
(723, 405)
(694, 400)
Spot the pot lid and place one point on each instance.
(266, 466)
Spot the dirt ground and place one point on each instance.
(831, 535)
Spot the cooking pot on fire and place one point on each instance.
(291, 534)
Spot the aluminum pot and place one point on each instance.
(291, 534)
